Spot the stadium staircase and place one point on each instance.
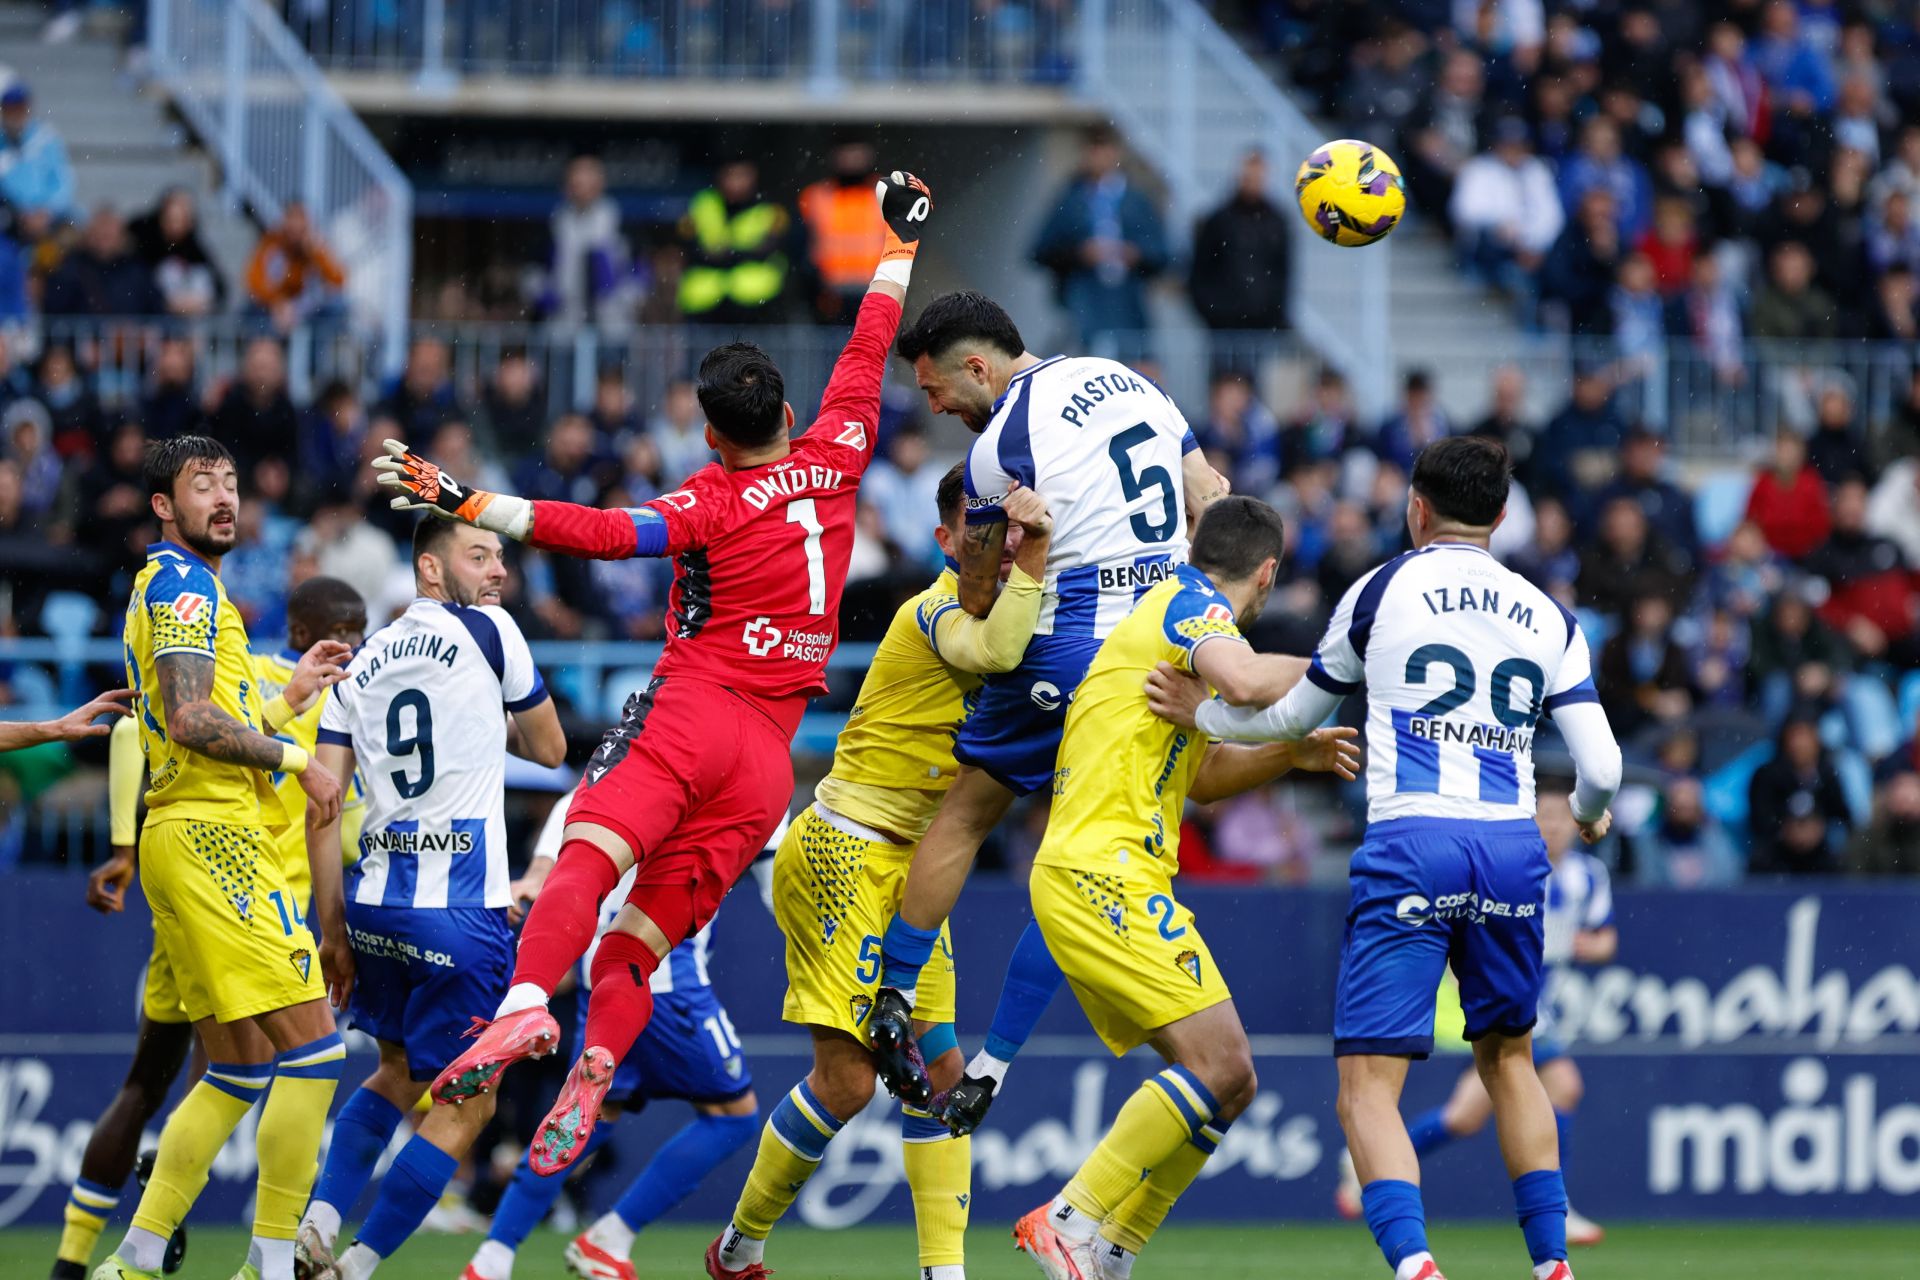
(125, 149)
(1192, 102)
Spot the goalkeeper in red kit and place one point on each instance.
(698, 773)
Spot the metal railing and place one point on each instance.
(1193, 104)
(822, 43)
(1710, 408)
(282, 134)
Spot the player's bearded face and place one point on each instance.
(475, 572)
(206, 508)
(958, 387)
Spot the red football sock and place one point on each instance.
(621, 1003)
(561, 925)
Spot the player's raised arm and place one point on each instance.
(1203, 485)
(76, 724)
(996, 642)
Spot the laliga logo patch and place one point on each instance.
(187, 605)
(1413, 910)
(860, 1006)
(1189, 963)
(1219, 613)
(302, 962)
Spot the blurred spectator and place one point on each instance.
(1897, 440)
(1794, 71)
(1892, 236)
(170, 405)
(1242, 251)
(1505, 211)
(901, 488)
(1835, 448)
(339, 543)
(1639, 327)
(1385, 79)
(1351, 551)
(1550, 562)
(102, 277)
(333, 438)
(114, 519)
(292, 275)
(1872, 598)
(1643, 675)
(1626, 561)
(1102, 243)
(1325, 428)
(736, 245)
(1794, 653)
(254, 417)
(1893, 508)
(1242, 431)
(590, 276)
(1717, 661)
(614, 414)
(1789, 499)
(1895, 312)
(423, 397)
(1686, 848)
(1642, 479)
(1889, 845)
(1507, 419)
(167, 239)
(1600, 165)
(1790, 305)
(1444, 133)
(36, 178)
(679, 430)
(564, 472)
(71, 406)
(15, 305)
(511, 416)
(1795, 804)
(452, 445)
(1710, 315)
(29, 446)
(844, 231)
(1671, 245)
(1419, 422)
(1575, 454)
(1579, 270)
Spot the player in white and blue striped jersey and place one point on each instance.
(1459, 658)
(428, 710)
(1121, 473)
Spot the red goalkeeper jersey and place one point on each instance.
(760, 555)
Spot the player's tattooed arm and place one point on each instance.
(980, 548)
(186, 687)
(1204, 486)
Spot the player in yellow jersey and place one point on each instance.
(250, 981)
(838, 877)
(317, 609)
(1102, 885)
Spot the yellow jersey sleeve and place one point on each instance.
(126, 766)
(1193, 618)
(182, 603)
(988, 645)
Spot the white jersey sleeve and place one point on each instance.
(521, 686)
(1103, 445)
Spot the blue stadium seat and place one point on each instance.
(1596, 626)
(1872, 715)
(1856, 779)
(68, 616)
(1719, 504)
(35, 694)
(1725, 789)
(620, 682)
(1909, 704)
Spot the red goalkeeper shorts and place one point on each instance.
(696, 778)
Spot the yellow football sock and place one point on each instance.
(791, 1145)
(1161, 1116)
(940, 1174)
(1133, 1223)
(89, 1205)
(291, 1125)
(195, 1132)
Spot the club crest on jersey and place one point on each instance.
(860, 1006)
(187, 605)
(1188, 962)
(302, 961)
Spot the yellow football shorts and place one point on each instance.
(225, 921)
(160, 1000)
(1133, 954)
(835, 887)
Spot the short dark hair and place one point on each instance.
(951, 496)
(167, 458)
(430, 536)
(966, 315)
(1464, 478)
(318, 605)
(742, 393)
(1235, 536)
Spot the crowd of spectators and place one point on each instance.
(1646, 169)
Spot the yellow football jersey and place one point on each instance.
(894, 760)
(1123, 773)
(179, 606)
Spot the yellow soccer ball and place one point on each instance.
(1350, 192)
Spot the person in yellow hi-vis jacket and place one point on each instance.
(318, 609)
(736, 250)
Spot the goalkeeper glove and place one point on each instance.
(905, 204)
(424, 486)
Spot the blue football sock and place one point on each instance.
(1429, 1132)
(1032, 978)
(680, 1164)
(905, 951)
(360, 1133)
(413, 1185)
(1540, 1202)
(1396, 1217)
(529, 1197)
